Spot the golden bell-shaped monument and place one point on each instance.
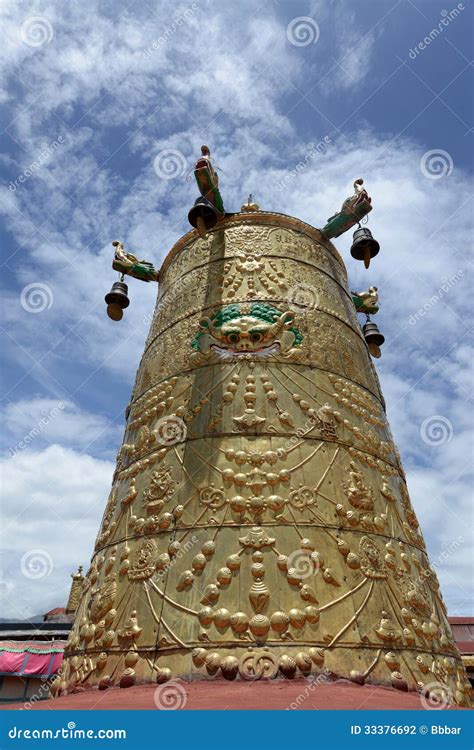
(259, 523)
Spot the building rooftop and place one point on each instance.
(56, 611)
(44, 631)
(463, 632)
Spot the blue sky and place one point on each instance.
(93, 95)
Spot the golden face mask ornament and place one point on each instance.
(237, 331)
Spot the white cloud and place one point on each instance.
(52, 501)
(36, 422)
(354, 56)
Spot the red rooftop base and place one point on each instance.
(225, 696)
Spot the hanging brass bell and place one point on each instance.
(373, 338)
(117, 300)
(364, 247)
(203, 216)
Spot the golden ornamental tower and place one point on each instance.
(259, 524)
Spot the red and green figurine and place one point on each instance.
(209, 207)
(353, 210)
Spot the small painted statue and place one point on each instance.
(207, 180)
(129, 264)
(352, 211)
(366, 302)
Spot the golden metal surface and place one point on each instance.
(259, 522)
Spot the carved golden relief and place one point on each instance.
(371, 561)
(102, 599)
(143, 562)
(159, 491)
(259, 522)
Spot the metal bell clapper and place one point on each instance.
(203, 216)
(374, 339)
(117, 300)
(364, 247)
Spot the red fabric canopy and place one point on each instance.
(41, 658)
